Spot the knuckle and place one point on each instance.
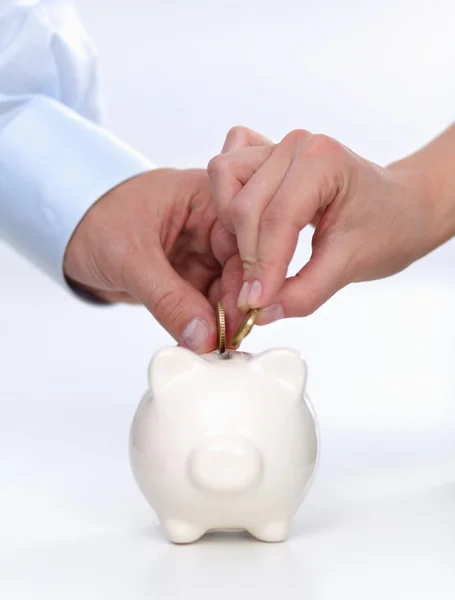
(261, 263)
(323, 145)
(249, 263)
(294, 137)
(237, 133)
(167, 305)
(219, 164)
(266, 263)
(272, 219)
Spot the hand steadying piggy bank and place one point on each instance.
(224, 443)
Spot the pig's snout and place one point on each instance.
(225, 464)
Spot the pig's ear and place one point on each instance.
(169, 363)
(283, 365)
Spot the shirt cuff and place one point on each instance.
(54, 165)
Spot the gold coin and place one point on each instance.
(244, 328)
(221, 322)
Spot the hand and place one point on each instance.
(370, 222)
(155, 240)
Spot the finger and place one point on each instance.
(228, 174)
(231, 282)
(227, 289)
(310, 185)
(240, 137)
(290, 210)
(181, 309)
(223, 243)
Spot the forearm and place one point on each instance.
(436, 163)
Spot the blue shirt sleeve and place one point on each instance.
(56, 160)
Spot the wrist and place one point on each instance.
(435, 198)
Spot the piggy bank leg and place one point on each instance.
(274, 531)
(182, 532)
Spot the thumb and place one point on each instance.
(329, 269)
(178, 306)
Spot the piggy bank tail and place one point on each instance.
(225, 464)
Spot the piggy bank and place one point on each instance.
(222, 444)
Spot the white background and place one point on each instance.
(380, 519)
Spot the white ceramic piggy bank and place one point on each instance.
(224, 443)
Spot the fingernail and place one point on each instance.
(243, 296)
(271, 313)
(195, 334)
(254, 294)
